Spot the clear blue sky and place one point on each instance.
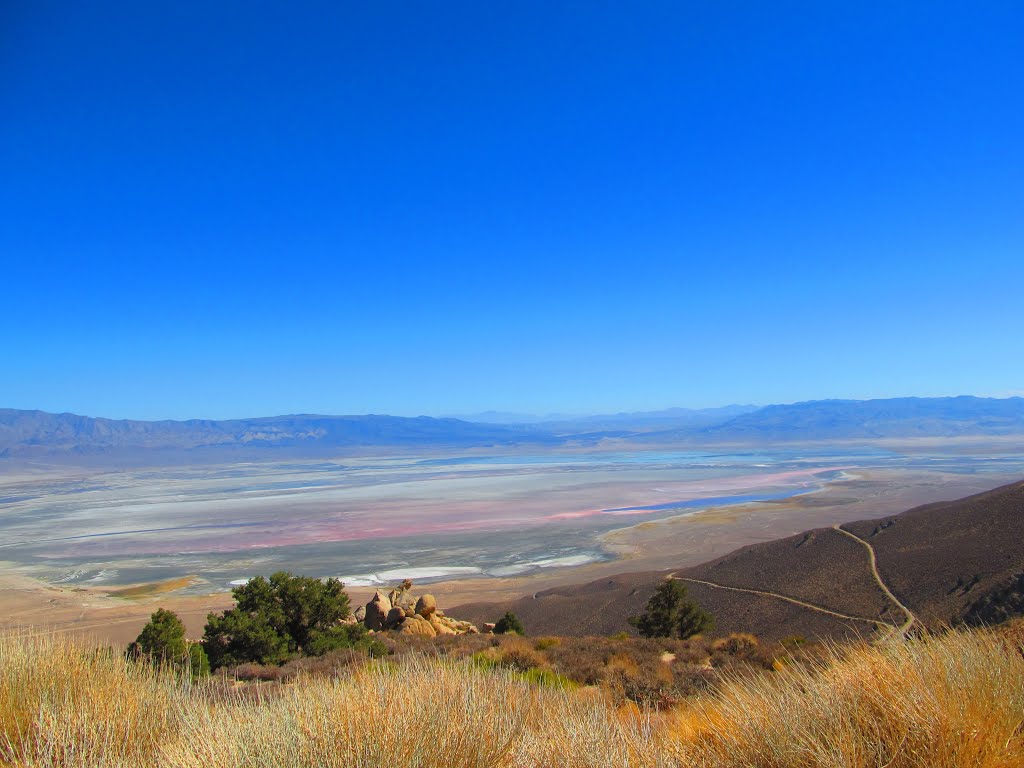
(242, 208)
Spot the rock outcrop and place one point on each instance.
(417, 625)
(377, 611)
(400, 611)
(426, 605)
(395, 617)
(401, 596)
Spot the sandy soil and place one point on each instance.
(31, 606)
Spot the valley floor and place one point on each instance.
(116, 612)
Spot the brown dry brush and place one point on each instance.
(946, 701)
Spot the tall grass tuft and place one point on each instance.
(948, 701)
(420, 712)
(62, 704)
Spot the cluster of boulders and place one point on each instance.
(400, 611)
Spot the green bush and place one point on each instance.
(163, 642)
(670, 614)
(163, 637)
(484, 660)
(545, 643)
(281, 618)
(198, 660)
(509, 624)
(547, 679)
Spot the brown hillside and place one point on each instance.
(945, 559)
(947, 562)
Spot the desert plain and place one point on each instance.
(94, 552)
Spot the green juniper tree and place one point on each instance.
(280, 618)
(163, 637)
(163, 641)
(509, 624)
(670, 614)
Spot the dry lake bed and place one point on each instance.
(473, 524)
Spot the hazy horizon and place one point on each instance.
(511, 412)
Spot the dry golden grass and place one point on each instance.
(945, 701)
(950, 701)
(65, 705)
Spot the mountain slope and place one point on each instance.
(949, 562)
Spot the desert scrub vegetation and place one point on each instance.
(949, 701)
(946, 701)
(651, 672)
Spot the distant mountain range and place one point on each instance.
(37, 433)
(639, 420)
(868, 419)
(28, 434)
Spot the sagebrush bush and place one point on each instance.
(737, 643)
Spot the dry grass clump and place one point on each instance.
(65, 705)
(581, 730)
(520, 655)
(948, 701)
(1013, 633)
(420, 712)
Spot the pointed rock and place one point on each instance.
(377, 611)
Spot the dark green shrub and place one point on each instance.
(670, 614)
(281, 618)
(163, 642)
(509, 624)
(163, 638)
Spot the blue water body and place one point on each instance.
(774, 457)
(713, 501)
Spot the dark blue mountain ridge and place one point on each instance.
(39, 432)
(867, 419)
(25, 433)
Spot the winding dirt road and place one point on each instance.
(873, 560)
(787, 598)
(900, 630)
